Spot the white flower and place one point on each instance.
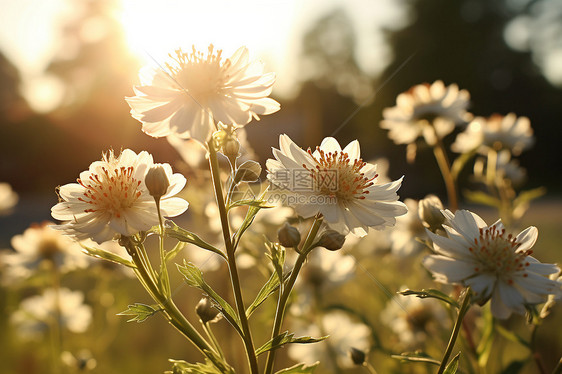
(413, 319)
(425, 106)
(335, 183)
(8, 198)
(197, 90)
(497, 132)
(494, 264)
(38, 245)
(408, 228)
(111, 198)
(37, 313)
(344, 334)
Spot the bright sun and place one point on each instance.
(153, 31)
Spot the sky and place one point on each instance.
(271, 29)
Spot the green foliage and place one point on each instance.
(299, 369)
(105, 255)
(250, 202)
(182, 367)
(453, 365)
(268, 288)
(286, 338)
(416, 357)
(174, 231)
(140, 312)
(194, 278)
(431, 293)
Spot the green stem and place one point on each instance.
(558, 368)
(234, 277)
(56, 328)
(370, 368)
(171, 311)
(284, 292)
(212, 338)
(462, 311)
(443, 162)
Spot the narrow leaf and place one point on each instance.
(431, 293)
(268, 288)
(174, 231)
(514, 367)
(286, 338)
(175, 251)
(482, 198)
(140, 312)
(417, 357)
(527, 196)
(453, 365)
(106, 255)
(194, 278)
(299, 369)
(250, 202)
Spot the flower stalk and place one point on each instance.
(284, 292)
(230, 249)
(456, 329)
(448, 178)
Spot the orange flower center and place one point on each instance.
(336, 175)
(111, 191)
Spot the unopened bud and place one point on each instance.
(249, 171)
(157, 181)
(357, 356)
(206, 311)
(288, 236)
(331, 240)
(429, 211)
(231, 147)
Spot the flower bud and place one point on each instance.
(157, 181)
(331, 240)
(206, 311)
(289, 236)
(357, 356)
(231, 147)
(429, 211)
(249, 171)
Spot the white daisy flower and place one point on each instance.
(335, 183)
(40, 244)
(424, 108)
(37, 313)
(494, 264)
(344, 334)
(111, 198)
(195, 91)
(8, 198)
(497, 132)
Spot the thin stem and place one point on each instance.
(286, 291)
(212, 338)
(164, 278)
(370, 368)
(234, 277)
(171, 311)
(56, 328)
(535, 353)
(443, 162)
(462, 311)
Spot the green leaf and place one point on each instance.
(299, 369)
(277, 256)
(182, 367)
(480, 197)
(106, 255)
(194, 278)
(174, 231)
(286, 338)
(453, 365)
(416, 357)
(250, 202)
(175, 251)
(250, 215)
(460, 161)
(268, 288)
(431, 293)
(140, 312)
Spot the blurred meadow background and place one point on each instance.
(66, 66)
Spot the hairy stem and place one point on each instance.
(462, 311)
(234, 277)
(284, 292)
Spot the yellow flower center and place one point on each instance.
(336, 175)
(111, 191)
(202, 77)
(498, 254)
